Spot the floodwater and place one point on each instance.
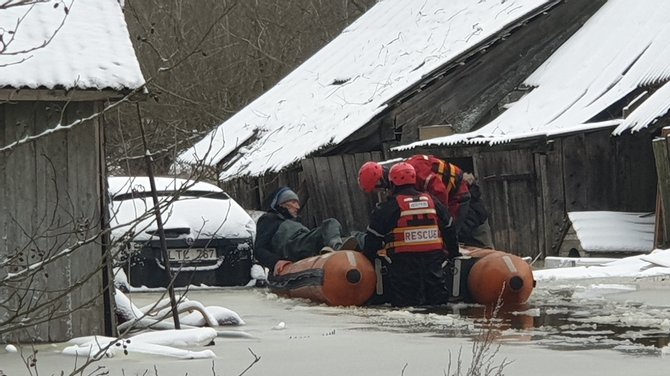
(625, 315)
(585, 315)
(618, 327)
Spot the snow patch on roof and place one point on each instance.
(344, 85)
(621, 48)
(82, 44)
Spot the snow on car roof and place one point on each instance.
(125, 184)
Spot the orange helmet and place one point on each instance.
(402, 173)
(370, 175)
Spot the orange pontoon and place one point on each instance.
(337, 278)
(348, 278)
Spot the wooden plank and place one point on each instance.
(362, 203)
(48, 220)
(3, 196)
(635, 177)
(312, 186)
(511, 201)
(598, 180)
(353, 204)
(554, 198)
(340, 193)
(574, 173)
(541, 203)
(4, 290)
(662, 156)
(50, 166)
(325, 189)
(21, 197)
(84, 188)
(659, 225)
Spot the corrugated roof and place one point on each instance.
(81, 44)
(623, 47)
(349, 81)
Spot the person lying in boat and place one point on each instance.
(281, 239)
(415, 233)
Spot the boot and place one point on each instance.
(349, 243)
(335, 243)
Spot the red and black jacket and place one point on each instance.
(444, 181)
(417, 227)
(410, 221)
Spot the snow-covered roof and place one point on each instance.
(621, 48)
(607, 231)
(349, 81)
(82, 44)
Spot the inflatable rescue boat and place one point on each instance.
(483, 276)
(337, 278)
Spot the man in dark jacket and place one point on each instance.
(414, 231)
(475, 229)
(281, 239)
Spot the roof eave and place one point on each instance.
(73, 95)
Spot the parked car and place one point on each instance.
(209, 236)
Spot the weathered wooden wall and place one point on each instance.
(509, 188)
(530, 186)
(49, 199)
(333, 186)
(596, 171)
(252, 192)
(327, 186)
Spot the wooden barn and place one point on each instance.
(530, 185)
(58, 72)
(385, 81)
(580, 139)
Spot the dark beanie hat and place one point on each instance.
(284, 194)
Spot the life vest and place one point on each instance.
(417, 227)
(441, 168)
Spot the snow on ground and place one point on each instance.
(608, 231)
(657, 264)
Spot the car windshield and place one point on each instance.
(144, 194)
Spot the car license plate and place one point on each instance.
(192, 254)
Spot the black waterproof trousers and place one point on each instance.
(416, 279)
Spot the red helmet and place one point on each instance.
(402, 174)
(369, 176)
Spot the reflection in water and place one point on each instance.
(561, 319)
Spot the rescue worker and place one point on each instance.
(433, 175)
(281, 239)
(475, 229)
(414, 232)
(443, 180)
